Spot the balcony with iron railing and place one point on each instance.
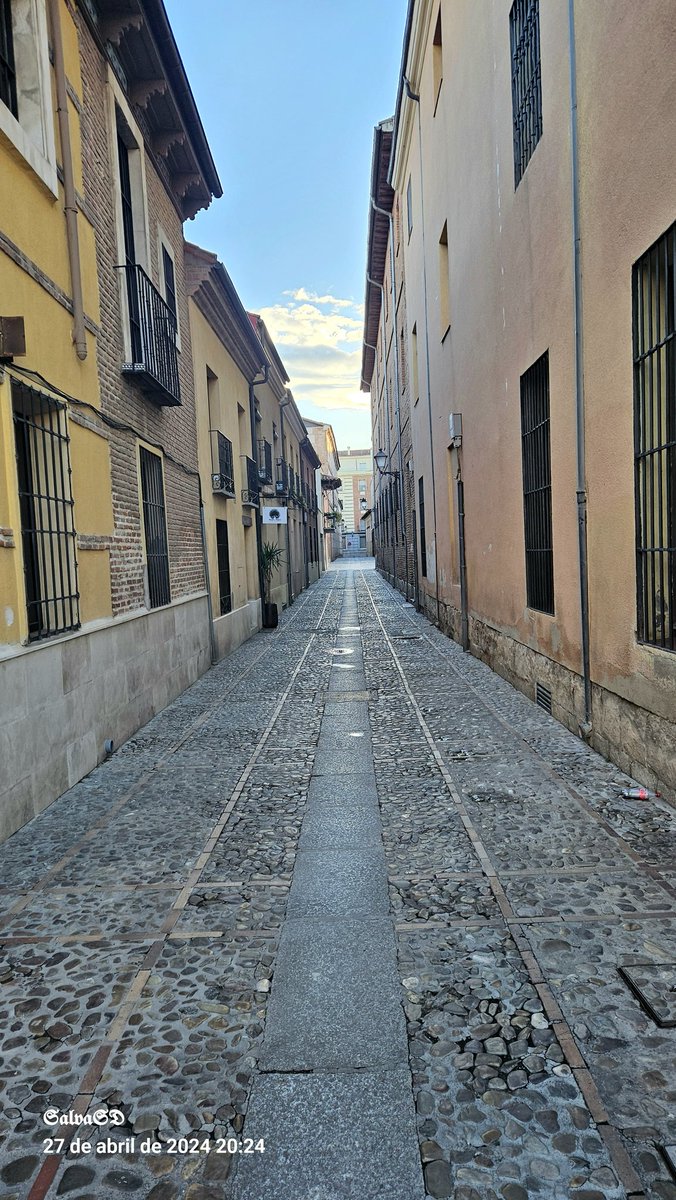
(264, 461)
(251, 493)
(282, 485)
(222, 468)
(153, 330)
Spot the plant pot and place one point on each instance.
(270, 616)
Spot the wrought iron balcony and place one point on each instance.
(251, 493)
(154, 356)
(222, 470)
(282, 485)
(264, 461)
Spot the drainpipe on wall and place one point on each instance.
(464, 614)
(70, 198)
(383, 212)
(586, 724)
(416, 100)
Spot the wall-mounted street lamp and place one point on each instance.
(380, 459)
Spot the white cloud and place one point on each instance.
(306, 325)
(313, 298)
(319, 339)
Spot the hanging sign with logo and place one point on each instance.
(275, 516)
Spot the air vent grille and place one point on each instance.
(543, 698)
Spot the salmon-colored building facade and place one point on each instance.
(533, 314)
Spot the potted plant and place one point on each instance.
(272, 558)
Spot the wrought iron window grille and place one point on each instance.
(654, 345)
(47, 513)
(537, 486)
(155, 528)
(524, 33)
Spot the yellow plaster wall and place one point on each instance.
(93, 578)
(233, 390)
(33, 220)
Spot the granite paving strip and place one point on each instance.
(515, 790)
(332, 1137)
(334, 1100)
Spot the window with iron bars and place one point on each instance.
(524, 34)
(224, 583)
(46, 507)
(654, 337)
(155, 528)
(537, 486)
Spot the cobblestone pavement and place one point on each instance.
(353, 895)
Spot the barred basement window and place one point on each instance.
(524, 35)
(46, 506)
(537, 486)
(224, 585)
(155, 528)
(654, 297)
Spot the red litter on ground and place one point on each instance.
(640, 793)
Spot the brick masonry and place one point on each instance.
(171, 428)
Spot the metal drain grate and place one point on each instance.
(669, 1155)
(543, 698)
(654, 985)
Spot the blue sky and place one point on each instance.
(289, 92)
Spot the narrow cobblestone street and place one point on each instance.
(353, 895)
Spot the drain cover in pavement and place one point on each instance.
(655, 986)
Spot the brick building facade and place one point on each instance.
(385, 373)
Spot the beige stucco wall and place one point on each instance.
(511, 299)
(628, 201)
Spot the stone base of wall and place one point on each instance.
(236, 627)
(61, 701)
(403, 578)
(638, 741)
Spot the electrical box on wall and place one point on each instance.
(455, 429)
